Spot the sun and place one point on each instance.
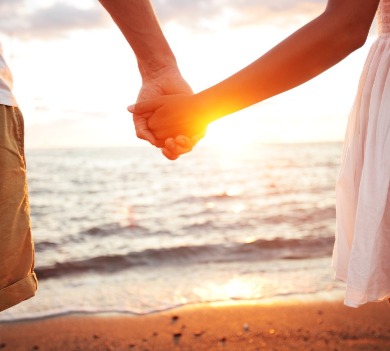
(230, 134)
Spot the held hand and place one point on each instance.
(167, 81)
(169, 119)
(174, 147)
(172, 115)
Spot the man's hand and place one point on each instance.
(178, 120)
(167, 81)
(157, 64)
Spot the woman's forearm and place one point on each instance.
(314, 48)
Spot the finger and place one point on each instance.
(187, 142)
(169, 155)
(141, 129)
(184, 141)
(160, 143)
(174, 148)
(142, 107)
(147, 135)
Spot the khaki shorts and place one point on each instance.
(17, 278)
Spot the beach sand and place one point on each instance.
(242, 326)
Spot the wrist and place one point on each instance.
(207, 107)
(202, 110)
(155, 67)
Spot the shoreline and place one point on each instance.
(320, 296)
(288, 325)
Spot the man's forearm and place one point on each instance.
(138, 23)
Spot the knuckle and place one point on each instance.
(140, 134)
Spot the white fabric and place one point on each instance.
(6, 96)
(361, 255)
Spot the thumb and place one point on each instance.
(142, 107)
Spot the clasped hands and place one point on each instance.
(167, 114)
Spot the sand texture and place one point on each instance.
(282, 326)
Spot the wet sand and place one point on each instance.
(244, 326)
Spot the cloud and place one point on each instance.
(21, 18)
(50, 21)
(9, 10)
(186, 11)
(241, 12)
(62, 17)
(6, 5)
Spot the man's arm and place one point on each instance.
(138, 23)
(157, 64)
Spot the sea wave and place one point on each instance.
(129, 232)
(258, 250)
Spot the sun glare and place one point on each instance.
(229, 134)
(237, 288)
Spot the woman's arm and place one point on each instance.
(339, 30)
(319, 45)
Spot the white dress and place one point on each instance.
(361, 255)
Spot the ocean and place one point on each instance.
(123, 230)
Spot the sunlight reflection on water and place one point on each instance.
(124, 229)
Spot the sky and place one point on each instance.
(74, 73)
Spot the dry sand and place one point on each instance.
(282, 326)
